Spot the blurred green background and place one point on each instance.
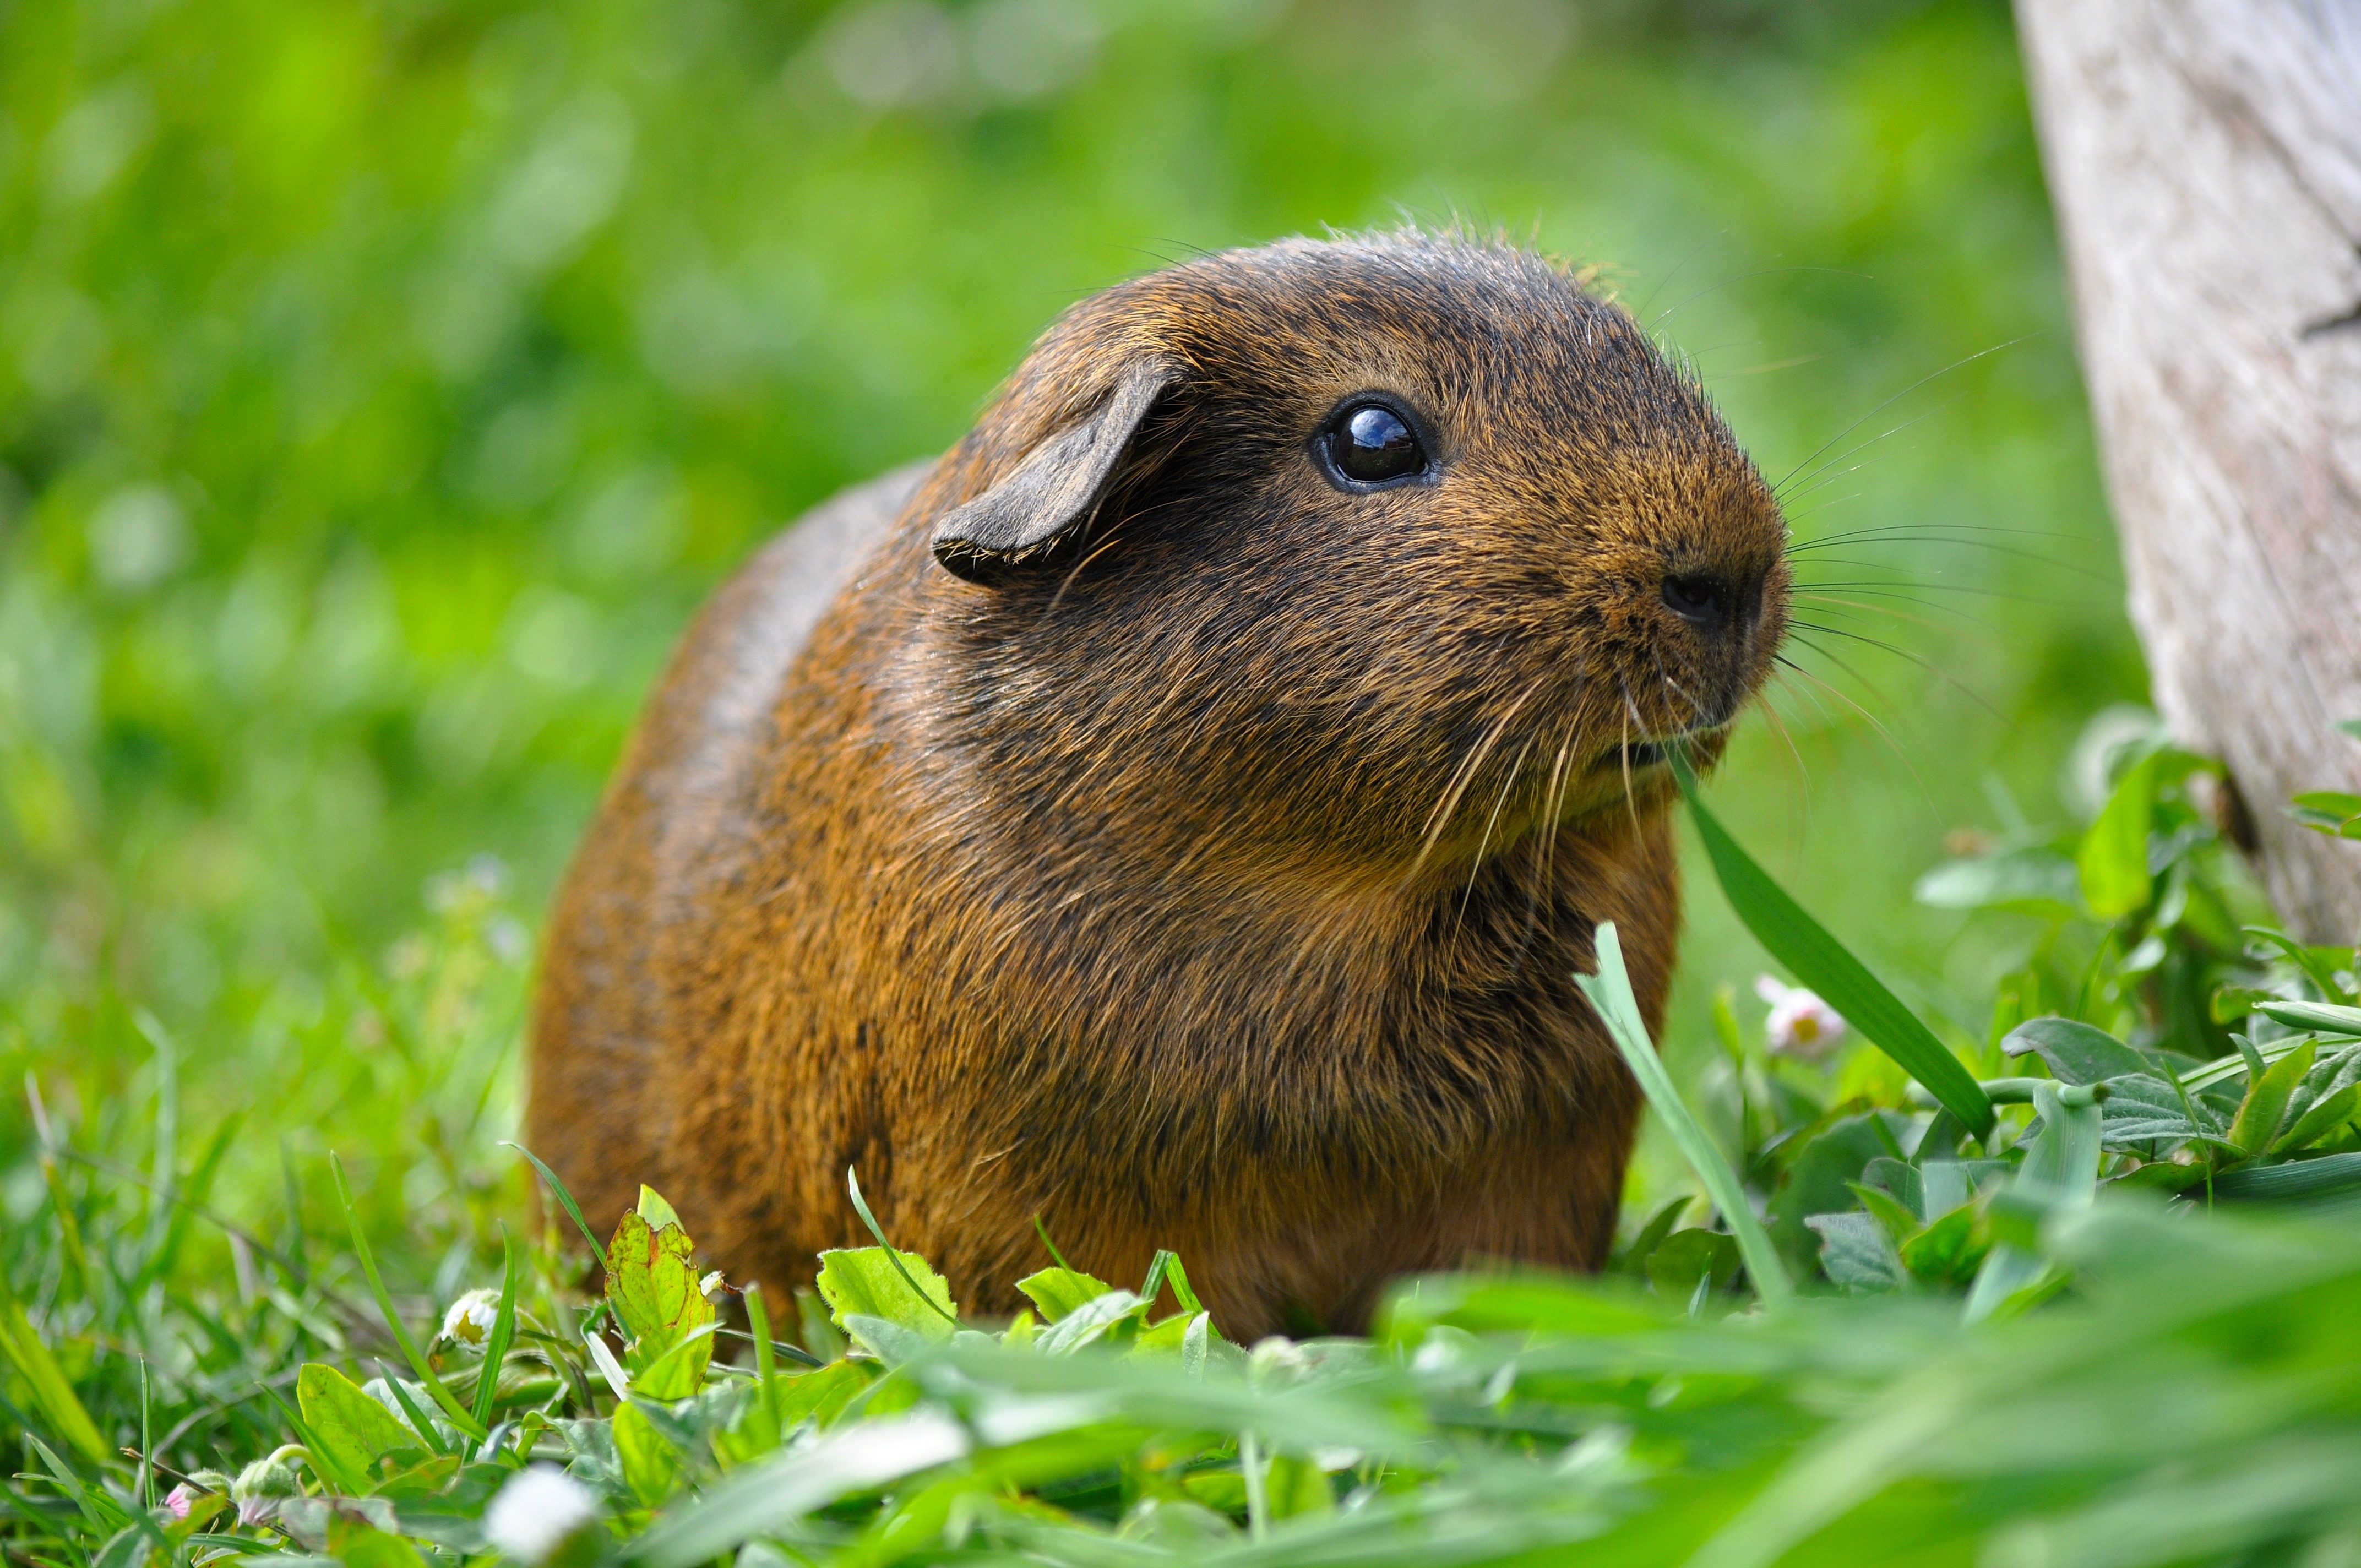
(383, 385)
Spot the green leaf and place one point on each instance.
(1634, 1259)
(355, 1428)
(865, 1282)
(1818, 1178)
(1609, 992)
(359, 1546)
(1856, 1252)
(2061, 1170)
(2113, 859)
(2325, 1017)
(2142, 1110)
(1949, 1250)
(1689, 1258)
(1057, 1291)
(652, 1282)
(2329, 811)
(649, 1463)
(1090, 1322)
(1945, 1184)
(2298, 1178)
(2076, 1052)
(1295, 1488)
(818, 1395)
(2037, 880)
(1898, 1180)
(654, 1210)
(1821, 962)
(2319, 964)
(1901, 1221)
(2323, 1117)
(2257, 1125)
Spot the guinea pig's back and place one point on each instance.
(673, 824)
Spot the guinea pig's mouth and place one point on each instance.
(1633, 755)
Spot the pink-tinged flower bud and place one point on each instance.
(1800, 1024)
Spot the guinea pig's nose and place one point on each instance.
(1710, 601)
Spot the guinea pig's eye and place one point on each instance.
(1370, 443)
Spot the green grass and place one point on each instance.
(2113, 1328)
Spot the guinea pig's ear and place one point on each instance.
(1052, 493)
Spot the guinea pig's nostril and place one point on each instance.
(1701, 598)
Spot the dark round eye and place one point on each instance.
(1370, 443)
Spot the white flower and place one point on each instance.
(711, 1286)
(1800, 1024)
(539, 1508)
(471, 1317)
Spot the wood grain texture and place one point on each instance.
(2205, 159)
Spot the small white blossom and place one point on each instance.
(1800, 1024)
(539, 1508)
(711, 1286)
(471, 1317)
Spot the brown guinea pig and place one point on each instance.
(1179, 812)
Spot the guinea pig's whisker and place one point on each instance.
(1630, 716)
(1889, 402)
(1792, 672)
(1898, 585)
(1898, 651)
(1772, 716)
(1843, 608)
(1463, 775)
(1828, 473)
(1476, 865)
(1681, 693)
(1930, 533)
(1868, 717)
(1553, 802)
(1954, 533)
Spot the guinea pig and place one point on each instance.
(1180, 811)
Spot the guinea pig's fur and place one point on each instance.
(1164, 836)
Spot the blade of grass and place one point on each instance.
(52, 1394)
(861, 1207)
(1055, 1255)
(758, 1317)
(1825, 964)
(1154, 1283)
(496, 1343)
(1609, 991)
(145, 1495)
(417, 1417)
(441, 1395)
(565, 1201)
(103, 1512)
